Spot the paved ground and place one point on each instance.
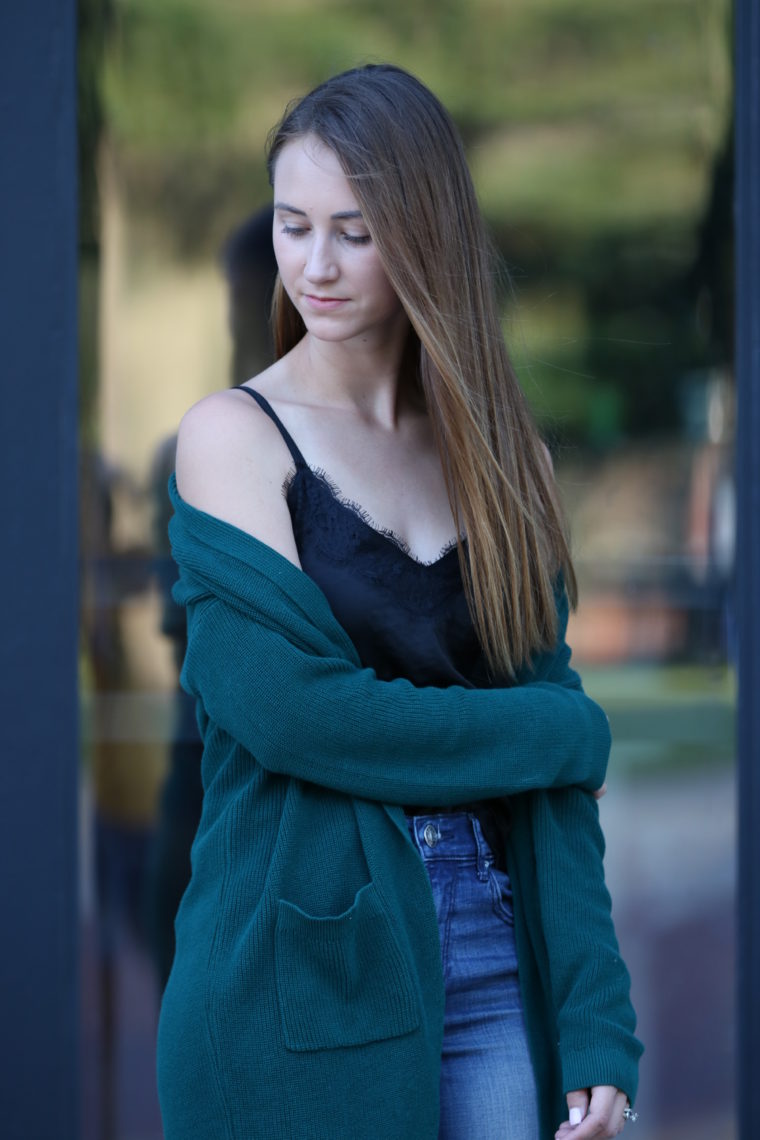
(671, 869)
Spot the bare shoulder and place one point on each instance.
(224, 421)
(232, 463)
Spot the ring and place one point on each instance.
(629, 1114)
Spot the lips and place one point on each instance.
(323, 304)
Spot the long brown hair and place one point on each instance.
(404, 159)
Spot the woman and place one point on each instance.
(399, 763)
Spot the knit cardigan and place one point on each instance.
(306, 997)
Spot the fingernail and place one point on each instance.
(576, 1116)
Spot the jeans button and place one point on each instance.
(430, 835)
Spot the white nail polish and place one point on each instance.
(576, 1116)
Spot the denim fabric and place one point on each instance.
(487, 1084)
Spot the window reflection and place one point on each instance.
(601, 145)
(143, 751)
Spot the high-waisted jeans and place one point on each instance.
(487, 1084)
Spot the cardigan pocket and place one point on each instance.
(342, 980)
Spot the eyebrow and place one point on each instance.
(340, 216)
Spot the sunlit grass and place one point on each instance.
(636, 685)
(666, 717)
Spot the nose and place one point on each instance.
(320, 262)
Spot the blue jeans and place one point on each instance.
(487, 1084)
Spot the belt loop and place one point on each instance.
(485, 858)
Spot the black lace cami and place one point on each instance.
(406, 618)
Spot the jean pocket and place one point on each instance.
(501, 892)
(342, 980)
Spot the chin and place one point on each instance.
(323, 328)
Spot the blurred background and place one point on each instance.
(600, 138)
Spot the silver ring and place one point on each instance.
(629, 1114)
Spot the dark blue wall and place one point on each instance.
(38, 554)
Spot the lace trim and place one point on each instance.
(363, 516)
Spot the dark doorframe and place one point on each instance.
(39, 961)
(38, 575)
(747, 242)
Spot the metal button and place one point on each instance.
(430, 834)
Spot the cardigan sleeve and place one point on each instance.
(589, 981)
(328, 721)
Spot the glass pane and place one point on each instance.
(600, 142)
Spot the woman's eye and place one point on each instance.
(301, 231)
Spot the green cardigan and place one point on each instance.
(306, 997)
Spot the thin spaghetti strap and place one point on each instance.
(267, 407)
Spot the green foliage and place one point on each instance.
(180, 68)
(593, 128)
(166, 80)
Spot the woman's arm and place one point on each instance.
(325, 720)
(588, 980)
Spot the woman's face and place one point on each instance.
(328, 263)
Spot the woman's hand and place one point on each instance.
(600, 1116)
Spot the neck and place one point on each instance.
(363, 375)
